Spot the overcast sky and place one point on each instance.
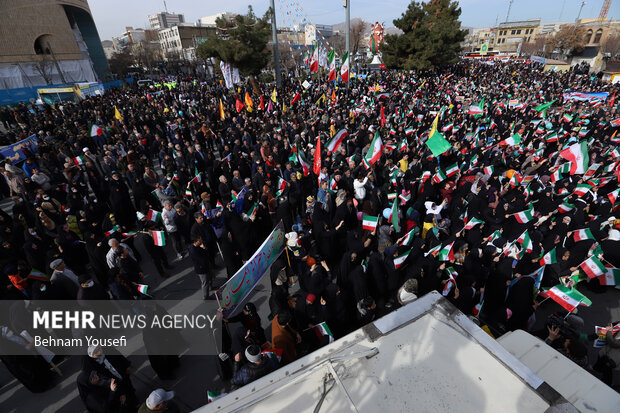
(112, 16)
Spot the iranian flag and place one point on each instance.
(400, 260)
(409, 131)
(567, 297)
(158, 238)
(577, 154)
(592, 170)
(613, 196)
(408, 239)
(336, 141)
(525, 241)
(114, 229)
(433, 251)
(281, 186)
(197, 178)
(452, 170)
(303, 161)
(374, 152)
(552, 137)
(142, 288)
(344, 69)
(582, 235)
(402, 146)
(567, 118)
(593, 267)
(439, 177)
(38, 275)
(96, 130)
(446, 253)
(512, 141)
(314, 62)
(548, 258)
(153, 215)
(78, 160)
(524, 217)
(188, 193)
(321, 330)
(214, 395)
(611, 277)
(582, 189)
(475, 110)
(488, 170)
(615, 123)
(473, 222)
(565, 207)
(331, 60)
(369, 222)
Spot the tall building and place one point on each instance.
(511, 35)
(164, 20)
(181, 41)
(210, 20)
(46, 42)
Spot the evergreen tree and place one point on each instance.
(431, 36)
(242, 42)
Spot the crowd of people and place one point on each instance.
(373, 220)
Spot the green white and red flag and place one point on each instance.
(402, 146)
(409, 131)
(611, 277)
(512, 141)
(613, 196)
(582, 235)
(374, 152)
(567, 118)
(322, 330)
(524, 217)
(433, 251)
(79, 160)
(400, 259)
(552, 137)
(447, 253)
(593, 267)
(569, 298)
(394, 216)
(38, 275)
(344, 69)
(439, 177)
(452, 170)
(408, 239)
(525, 241)
(548, 258)
(577, 154)
(582, 189)
(331, 60)
(114, 229)
(369, 222)
(303, 161)
(153, 215)
(592, 170)
(565, 207)
(158, 238)
(488, 170)
(473, 222)
(142, 288)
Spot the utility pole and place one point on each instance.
(347, 5)
(583, 3)
(509, 7)
(274, 32)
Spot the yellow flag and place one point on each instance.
(434, 127)
(117, 114)
(332, 130)
(321, 99)
(274, 95)
(222, 116)
(283, 107)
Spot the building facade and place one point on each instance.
(510, 36)
(164, 20)
(176, 40)
(46, 42)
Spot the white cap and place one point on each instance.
(158, 396)
(85, 150)
(140, 215)
(614, 235)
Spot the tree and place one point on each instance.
(538, 47)
(357, 35)
(44, 68)
(431, 36)
(121, 62)
(569, 40)
(612, 46)
(242, 42)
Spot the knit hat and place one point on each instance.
(252, 353)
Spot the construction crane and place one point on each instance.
(604, 10)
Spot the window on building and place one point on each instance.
(597, 37)
(519, 31)
(588, 36)
(513, 32)
(41, 44)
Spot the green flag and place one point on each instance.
(437, 144)
(541, 108)
(394, 216)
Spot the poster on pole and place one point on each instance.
(19, 151)
(232, 294)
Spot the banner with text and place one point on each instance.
(19, 151)
(232, 294)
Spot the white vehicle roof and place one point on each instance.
(583, 390)
(425, 357)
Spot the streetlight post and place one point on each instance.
(347, 5)
(274, 32)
